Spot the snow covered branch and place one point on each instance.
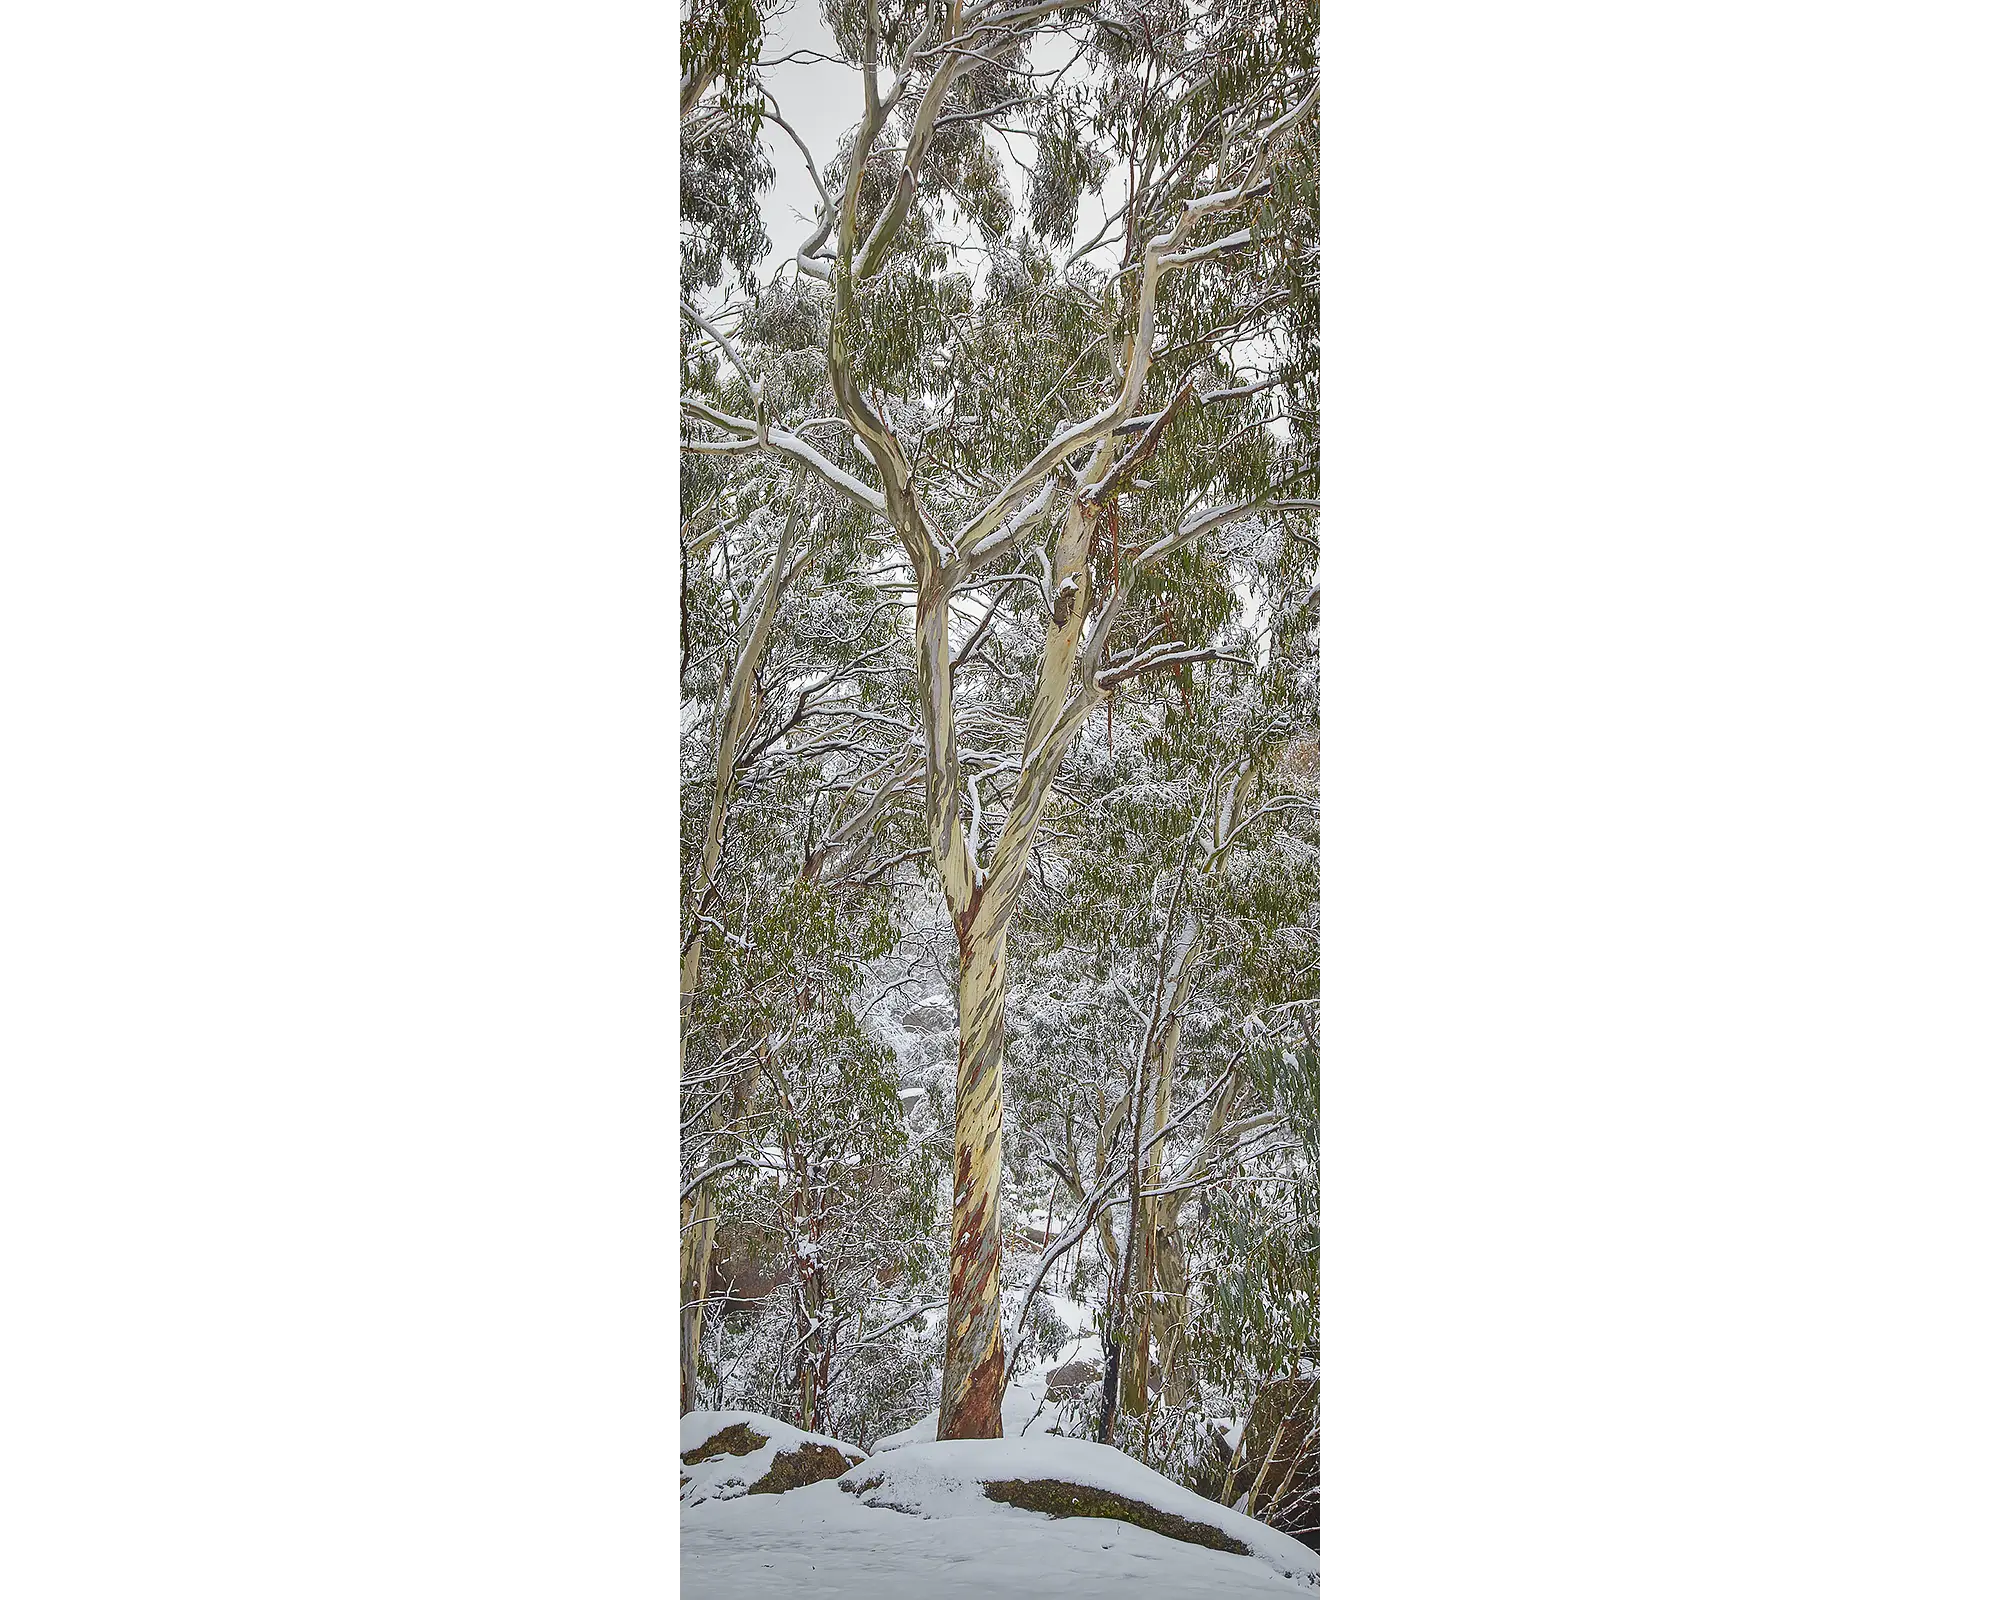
(1159, 659)
(1196, 523)
(788, 444)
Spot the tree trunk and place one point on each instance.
(1109, 1412)
(737, 716)
(695, 1243)
(973, 1359)
(1148, 1315)
(1147, 1213)
(808, 1292)
(1173, 1342)
(1145, 1245)
(698, 1244)
(982, 907)
(1119, 1317)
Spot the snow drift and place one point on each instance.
(985, 1519)
(1047, 1476)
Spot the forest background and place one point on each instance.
(1000, 759)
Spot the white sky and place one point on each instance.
(822, 101)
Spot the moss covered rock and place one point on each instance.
(739, 1440)
(809, 1463)
(1059, 1499)
(727, 1454)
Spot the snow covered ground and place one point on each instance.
(821, 1541)
(921, 1525)
(724, 1477)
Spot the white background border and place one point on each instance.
(337, 823)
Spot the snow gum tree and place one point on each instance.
(1059, 384)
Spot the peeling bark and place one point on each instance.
(974, 1360)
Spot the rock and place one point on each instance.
(1075, 1378)
(809, 1463)
(735, 1283)
(728, 1454)
(739, 1440)
(1038, 1477)
(933, 1017)
(1059, 1499)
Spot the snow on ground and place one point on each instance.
(726, 1477)
(926, 1529)
(1073, 1313)
(822, 1540)
(944, 1480)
